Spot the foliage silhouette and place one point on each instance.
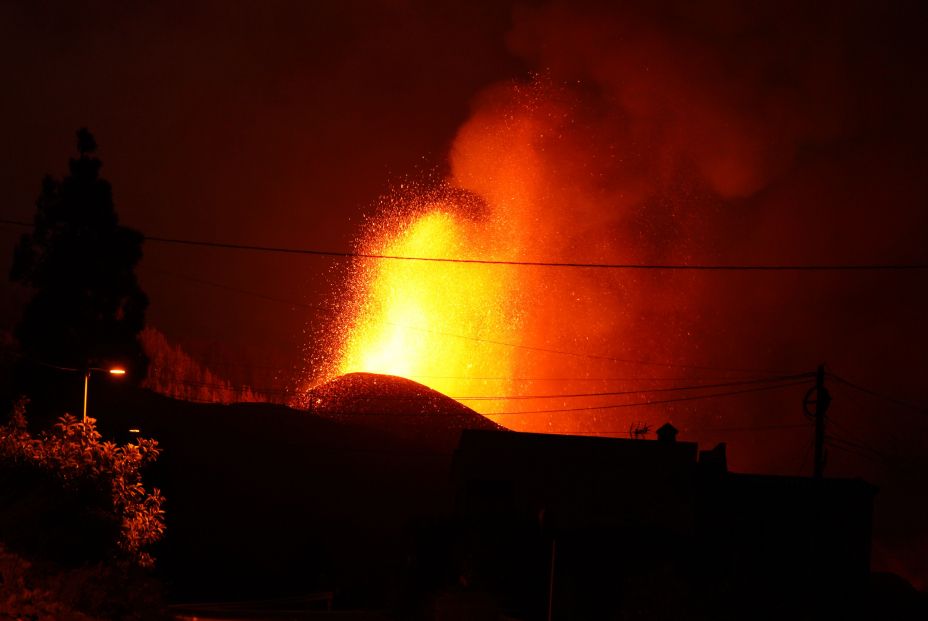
(88, 307)
(105, 476)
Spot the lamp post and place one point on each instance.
(115, 371)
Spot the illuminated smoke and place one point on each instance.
(521, 188)
(657, 135)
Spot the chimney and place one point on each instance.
(667, 433)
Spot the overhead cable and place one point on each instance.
(648, 403)
(818, 267)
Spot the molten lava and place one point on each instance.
(534, 348)
(433, 322)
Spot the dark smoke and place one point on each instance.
(726, 133)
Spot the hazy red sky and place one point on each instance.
(674, 131)
(277, 123)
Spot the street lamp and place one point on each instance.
(114, 371)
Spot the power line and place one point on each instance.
(698, 429)
(494, 342)
(850, 439)
(766, 380)
(470, 338)
(806, 267)
(867, 391)
(749, 428)
(862, 447)
(850, 448)
(551, 264)
(501, 378)
(844, 427)
(647, 403)
(554, 264)
(562, 352)
(763, 380)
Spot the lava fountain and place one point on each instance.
(435, 322)
(486, 334)
(528, 346)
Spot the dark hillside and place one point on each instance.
(396, 406)
(265, 500)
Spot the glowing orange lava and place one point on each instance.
(511, 342)
(432, 322)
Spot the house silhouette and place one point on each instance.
(569, 527)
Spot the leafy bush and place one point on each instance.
(41, 591)
(72, 453)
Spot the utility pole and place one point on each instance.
(822, 401)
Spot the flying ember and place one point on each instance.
(433, 322)
(528, 347)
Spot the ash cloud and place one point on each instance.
(725, 133)
(770, 133)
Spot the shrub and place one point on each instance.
(73, 453)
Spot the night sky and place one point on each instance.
(275, 123)
(716, 132)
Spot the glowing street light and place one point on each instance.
(114, 371)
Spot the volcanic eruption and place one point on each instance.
(398, 407)
(663, 134)
(508, 339)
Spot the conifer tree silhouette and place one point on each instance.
(88, 308)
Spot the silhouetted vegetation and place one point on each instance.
(77, 523)
(103, 478)
(88, 307)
